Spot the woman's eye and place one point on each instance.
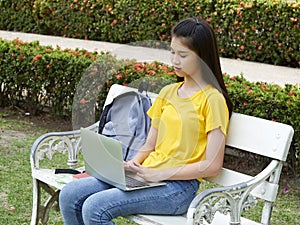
(181, 55)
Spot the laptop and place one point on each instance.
(103, 160)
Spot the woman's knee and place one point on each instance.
(67, 195)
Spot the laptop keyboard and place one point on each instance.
(133, 183)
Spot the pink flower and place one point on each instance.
(83, 101)
(119, 77)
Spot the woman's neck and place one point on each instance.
(190, 87)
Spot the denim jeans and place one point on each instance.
(90, 201)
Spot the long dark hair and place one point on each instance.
(199, 36)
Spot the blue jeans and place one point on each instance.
(90, 201)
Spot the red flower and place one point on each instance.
(37, 57)
(291, 94)
(151, 72)
(113, 22)
(48, 66)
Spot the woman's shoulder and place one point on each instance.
(168, 89)
(214, 97)
(212, 92)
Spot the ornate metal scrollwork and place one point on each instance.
(224, 202)
(59, 144)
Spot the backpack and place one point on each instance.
(126, 120)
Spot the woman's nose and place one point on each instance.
(175, 59)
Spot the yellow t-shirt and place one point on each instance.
(183, 124)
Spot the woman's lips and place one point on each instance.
(177, 68)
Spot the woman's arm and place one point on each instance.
(211, 166)
(145, 150)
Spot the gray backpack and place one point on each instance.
(126, 120)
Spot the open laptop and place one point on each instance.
(103, 160)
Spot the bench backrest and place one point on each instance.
(259, 136)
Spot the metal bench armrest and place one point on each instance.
(50, 143)
(233, 199)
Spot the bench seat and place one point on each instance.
(180, 220)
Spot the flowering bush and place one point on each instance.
(38, 78)
(261, 31)
(254, 30)
(270, 102)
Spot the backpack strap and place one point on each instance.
(134, 134)
(103, 118)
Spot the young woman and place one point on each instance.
(185, 143)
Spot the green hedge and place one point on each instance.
(37, 78)
(270, 102)
(256, 30)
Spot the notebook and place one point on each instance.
(103, 160)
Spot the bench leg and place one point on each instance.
(266, 213)
(49, 203)
(36, 202)
(39, 211)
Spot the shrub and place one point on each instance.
(258, 30)
(254, 30)
(270, 102)
(37, 78)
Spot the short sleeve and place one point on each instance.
(217, 113)
(155, 112)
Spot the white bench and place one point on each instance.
(222, 205)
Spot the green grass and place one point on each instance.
(16, 184)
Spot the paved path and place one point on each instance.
(251, 71)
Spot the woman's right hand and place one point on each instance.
(129, 164)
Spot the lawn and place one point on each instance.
(18, 134)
